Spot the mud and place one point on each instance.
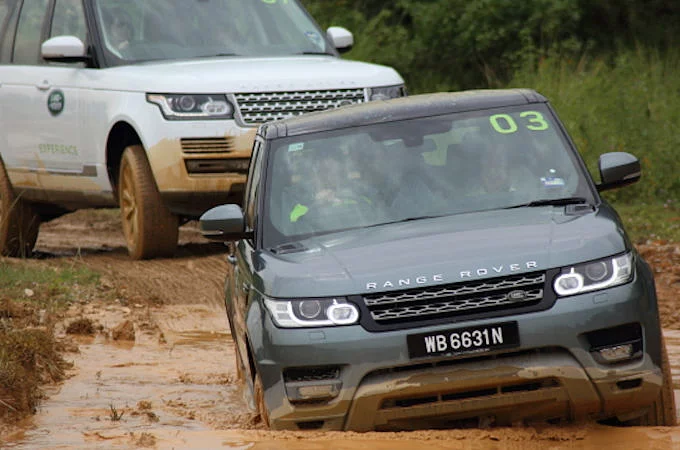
(174, 385)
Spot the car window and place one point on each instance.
(29, 32)
(139, 30)
(403, 170)
(8, 13)
(69, 19)
(252, 196)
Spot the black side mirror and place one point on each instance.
(224, 223)
(618, 169)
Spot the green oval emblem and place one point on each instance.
(55, 102)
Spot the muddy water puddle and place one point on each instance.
(180, 392)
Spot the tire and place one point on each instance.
(150, 229)
(19, 224)
(662, 412)
(258, 393)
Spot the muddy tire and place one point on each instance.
(19, 224)
(662, 412)
(258, 393)
(150, 229)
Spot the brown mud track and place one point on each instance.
(171, 382)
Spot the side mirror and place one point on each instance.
(618, 169)
(341, 38)
(223, 223)
(64, 49)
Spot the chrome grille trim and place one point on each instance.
(261, 107)
(454, 299)
(206, 145)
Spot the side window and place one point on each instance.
(29, 32)
(9, 9)
(253, 184)
(69, 19)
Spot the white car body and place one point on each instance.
(64, 125)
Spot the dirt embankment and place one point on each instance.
(158, 371)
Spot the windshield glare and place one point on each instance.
(435, 166)
(140, 30)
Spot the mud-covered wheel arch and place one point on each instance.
(150, 229)
(19, 223)
(663, 410)
(121, 136)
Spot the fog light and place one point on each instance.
(318, 391)
(617, 353)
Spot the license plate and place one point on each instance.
(464, 340)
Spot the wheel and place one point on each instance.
(19, 224)
(151, 230)
(662, 411)
(258, 393)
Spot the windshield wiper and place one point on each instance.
(219, 55)
(313, 53)
(408, 219)
(552, 202)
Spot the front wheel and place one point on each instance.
(150, 229)
(19, 224)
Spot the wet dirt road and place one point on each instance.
(173, 384)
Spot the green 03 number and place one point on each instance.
(505, 124)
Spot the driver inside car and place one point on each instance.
(328, 184)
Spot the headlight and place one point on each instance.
(595, 275)
(316, 312)
(388, 92)
(192, 106)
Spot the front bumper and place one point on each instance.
(551, 375)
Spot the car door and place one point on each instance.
(19, 73)
(59, 89)
(245, 261)
(41, 100)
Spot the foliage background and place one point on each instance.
(609, 67)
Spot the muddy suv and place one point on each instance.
(152, 105)
(438, 260)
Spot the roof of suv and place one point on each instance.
(398, 109)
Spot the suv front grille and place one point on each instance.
(261, 107)
(453, 300)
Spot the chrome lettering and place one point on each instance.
(421, 280)
(532, 265)
(514, 267)
(466, 274)
(371, 285)
(405, 282)
(438, 277)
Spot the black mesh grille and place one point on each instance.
(457, 299)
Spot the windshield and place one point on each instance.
(428, 167)
(141, 30)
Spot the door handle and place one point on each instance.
(44, 85)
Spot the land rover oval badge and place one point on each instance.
(55, 102)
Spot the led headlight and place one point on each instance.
(595, 275)
(387, 92)
(192, 106)
(320, 312)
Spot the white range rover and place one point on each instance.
(152, 105)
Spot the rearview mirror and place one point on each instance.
(223, 223)
(64, 49)
(341, 38)
(618, 169)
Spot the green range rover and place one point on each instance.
(438, 260)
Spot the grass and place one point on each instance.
(628, 102)
(33, 294)
(655, 221)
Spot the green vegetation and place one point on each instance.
(32, 297)
(609, 68)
